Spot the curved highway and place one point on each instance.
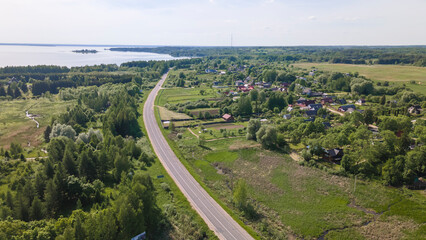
(216, 218)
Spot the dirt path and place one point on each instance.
(295, 156)
(192, 132)
(211, 140)
(334, 111)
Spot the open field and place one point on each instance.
(298, 201)
(167, 115)
(392, 73)
(15, 126)
(182, 95)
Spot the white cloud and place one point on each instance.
(312, 18)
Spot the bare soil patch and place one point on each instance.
(227, 126)
(243, 145)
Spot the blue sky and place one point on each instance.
(211, 22)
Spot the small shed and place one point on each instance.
(228, 117)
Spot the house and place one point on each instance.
(315, 94)
(345, 108)
(315, 106)
(210, 71)
(334, 155)
(228, 117)
(290, 108)
(327, 125)
(285, 84)
(360, 102)
(416, 109)
(311, 74)
(326, 100)
(287, 116)
(301, 100)
(267, 85)
(222, 73)
(307, 91)
(239, 83)
(310, 113)
(342, 101)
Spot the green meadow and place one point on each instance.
(396, 74)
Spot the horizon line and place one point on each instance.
(215, 46)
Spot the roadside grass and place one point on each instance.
(16, 127)
(195, 171)
(170, 194)
(392, 73)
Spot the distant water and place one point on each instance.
(16, 55)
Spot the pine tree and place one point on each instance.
(383, 100)
(51, 198)
(39, 185)
(86, 167)
(24, 88)
(16, 93)
(47, 134)
(48, 169)
(2, 91)
(36, 211)
(9, 91)
(68, 162)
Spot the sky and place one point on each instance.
(213, 22)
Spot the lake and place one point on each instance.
(23, 55)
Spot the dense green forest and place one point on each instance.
(413, 55)
(95, 181)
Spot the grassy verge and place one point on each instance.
(197, 177)
(173, 194)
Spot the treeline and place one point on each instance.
(34, 69)
(415, 55)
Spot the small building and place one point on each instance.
(315, 94)
(345, 108)
(267, 85)
(315, 106)
(326, 100)
(307, 91)
(342, 101)
(228, 117)
(310, 113)
(334, 155)
(360, 102)
(239, 83)
(287, 116)
(416, 109)
(327, 125)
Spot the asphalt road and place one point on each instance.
(216, 218)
